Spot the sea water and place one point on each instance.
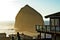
(8, 28)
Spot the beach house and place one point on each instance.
(53, 28)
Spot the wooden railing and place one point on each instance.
(47, 28)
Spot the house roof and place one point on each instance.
(53, 15)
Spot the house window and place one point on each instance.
(52, 22)
(57, 22)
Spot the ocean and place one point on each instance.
(8, 28)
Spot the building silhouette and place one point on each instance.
(53, 28)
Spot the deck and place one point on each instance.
(48, 29)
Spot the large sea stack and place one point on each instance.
(26, 19)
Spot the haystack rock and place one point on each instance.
(26, 20)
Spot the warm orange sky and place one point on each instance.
(9, 8)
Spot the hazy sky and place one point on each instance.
(9, 8)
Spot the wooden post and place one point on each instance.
(59, 24)
(55, 36)
(50, 24)
(18, 36)
(39, 36)
(45, 32)
(12, 38)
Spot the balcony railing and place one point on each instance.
(47, 28)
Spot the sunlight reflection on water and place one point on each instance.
(7, 31)
(10, 30)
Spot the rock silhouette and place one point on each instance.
(26, 20)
